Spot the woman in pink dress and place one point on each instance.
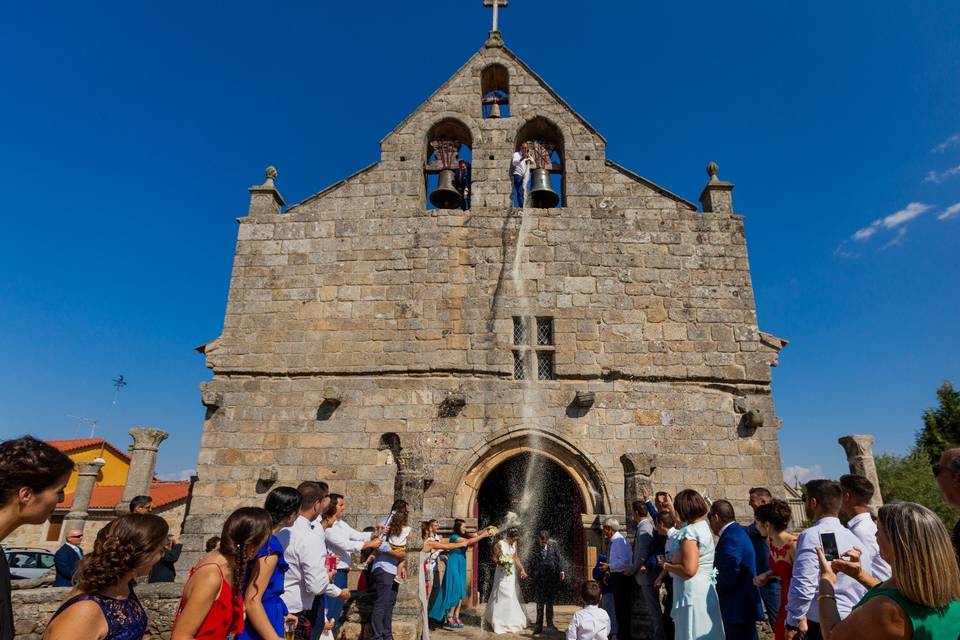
(772, 521)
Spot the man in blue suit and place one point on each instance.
(66, 558)
(736, 564)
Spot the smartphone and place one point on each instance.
(828, 540)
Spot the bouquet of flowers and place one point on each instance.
(506, 565)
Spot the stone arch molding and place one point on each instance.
(502, 446)
(432, 119)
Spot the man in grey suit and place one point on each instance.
(642, 540)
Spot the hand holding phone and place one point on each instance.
(828, 541)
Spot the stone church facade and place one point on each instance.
(376, 344)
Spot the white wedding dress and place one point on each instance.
(504, 612)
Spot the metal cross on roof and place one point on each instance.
(496, 4)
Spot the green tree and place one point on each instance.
(909, 478)
(941, 426)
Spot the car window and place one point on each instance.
(46, 560)
(23, 561)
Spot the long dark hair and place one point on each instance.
(123, 545)
(458, 526)
(281, 502)
(401, 512)
(245, 528)
(28, 462)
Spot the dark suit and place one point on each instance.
(65, 562)
(164, 571)
(462, 182)
(546, 565)
(736, 565)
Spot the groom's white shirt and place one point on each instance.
(589, 623)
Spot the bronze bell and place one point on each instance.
(445, 196)
(494, 110)
(542, 195)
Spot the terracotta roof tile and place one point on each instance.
(81, 443)
(163, 494)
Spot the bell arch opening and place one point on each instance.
(544, 141)
(448, 142)
(495, 91)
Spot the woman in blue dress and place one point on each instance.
(453, 589)
(266, 613)
(102, 604)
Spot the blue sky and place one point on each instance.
(130, 132)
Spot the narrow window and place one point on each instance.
(545, 365)
(519, 330)
(544, 331)
(519, 365)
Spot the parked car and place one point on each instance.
(28, 563)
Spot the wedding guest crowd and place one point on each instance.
(281, 571)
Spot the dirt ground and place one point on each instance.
(562, 614)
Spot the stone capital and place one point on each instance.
(91, 468)
(859, 445)
(638, 463)
(147, 438)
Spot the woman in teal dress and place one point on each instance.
(453, 589)
(696, 607)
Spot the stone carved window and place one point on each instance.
(447, 143)
(533, 351)
(544, 142)
(495, 89)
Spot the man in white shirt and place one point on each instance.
(591, 622)
(518, 168)
(857, 493)
(822, 501)
(305, 551)
(620, 566)
(342, 540)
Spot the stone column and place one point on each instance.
(637, 473)
(143, 462)
(859, 450)
(87, 473)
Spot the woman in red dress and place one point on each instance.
(772, 521)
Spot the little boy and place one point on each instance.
(591, 622)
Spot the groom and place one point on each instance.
(547, 572)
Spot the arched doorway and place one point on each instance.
(534, 491)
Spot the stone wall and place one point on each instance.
(33, 609)
(362, 296)
(35, 535)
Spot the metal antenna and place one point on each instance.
(90, 421)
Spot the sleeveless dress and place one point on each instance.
(927, 623)
(225, 615)
(696, 607)
(782, 567)
(272, 604)
(126, 618)
(504, 612)
(453, 589)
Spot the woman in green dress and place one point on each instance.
(920, 601)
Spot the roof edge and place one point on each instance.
(653, 185)
(332, 187)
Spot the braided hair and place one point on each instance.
(245, 530)
(125, 544)
(28, 462)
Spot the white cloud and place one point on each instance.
(949, 212)
(797, 472)
(937, 177)
(183, 474)
(897, 239)
(903, 216)
(952, 141)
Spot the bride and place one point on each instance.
(504, 613)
